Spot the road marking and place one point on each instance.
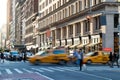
(95, 76)
(18, 70)
(89, 74)
(27, 70)
(65, 69)
(55, 69)
(37, 69)
(44, 76)
(8, 71)
(47, 69)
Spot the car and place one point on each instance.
(55, 56)
(6, 55)
(14, 56)
(96, 57)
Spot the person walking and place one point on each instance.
(2, 57)
(24, 56)
(111, 60)
(79, 56)
(115, 58)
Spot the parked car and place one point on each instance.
(14, 55)
(96, 57)
(6, 55)
(55, 56)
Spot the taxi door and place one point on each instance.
(105, 58)
(96, 57)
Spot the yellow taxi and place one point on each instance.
(96, 57)
(55, 56)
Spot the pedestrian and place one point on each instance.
(24, 56)
(111, 60)
(79, 56)
(2, 57)
(115, 58)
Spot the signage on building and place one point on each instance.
(107, 49)
(48, 33)
(103, 20)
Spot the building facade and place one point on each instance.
(31, 12)
(87, 24)
(19, 24)
(9, 21)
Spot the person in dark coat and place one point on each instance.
(24, 56)
(115, 58)
(2, 57)
(111, 59)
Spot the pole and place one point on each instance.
(119, 31)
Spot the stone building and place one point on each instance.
(87, 24)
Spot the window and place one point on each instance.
(78, 28)
(97, 23)
(64, 32)
(116, 20)
(70, 30)
(80, 5)
(94, 2)
(65, 12)
(72, 9)
(87, 25)
(69, 11)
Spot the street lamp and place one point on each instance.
(119, 31)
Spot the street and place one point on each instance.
(27, 71)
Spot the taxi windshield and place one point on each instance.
(40, 52)
(89, 54)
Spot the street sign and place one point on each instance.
(107, 49)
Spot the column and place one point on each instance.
(82, 29)
(67, 32)
(119, 31)
(74, 27)
(91, 26)
(108, 36)
(61, 33)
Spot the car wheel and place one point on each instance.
(89, 62)
(62, 62)
(37, 62)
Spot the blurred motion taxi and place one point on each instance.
(96, 57)
(52, 56)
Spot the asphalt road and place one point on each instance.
(27, 71)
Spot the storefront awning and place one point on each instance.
(80, 45)
(66, 46)
(72, 46)
(91, 44)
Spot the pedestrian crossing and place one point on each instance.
(48, 69)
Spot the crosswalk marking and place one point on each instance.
(27, 70)
(8, 71)
(65, 69)
(18, 70)
(37, 69)
(55, 69)
(47, 69)
(50, 69)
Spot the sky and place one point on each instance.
(3, 12)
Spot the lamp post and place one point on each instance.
(119, 31)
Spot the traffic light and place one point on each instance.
(88, 18)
